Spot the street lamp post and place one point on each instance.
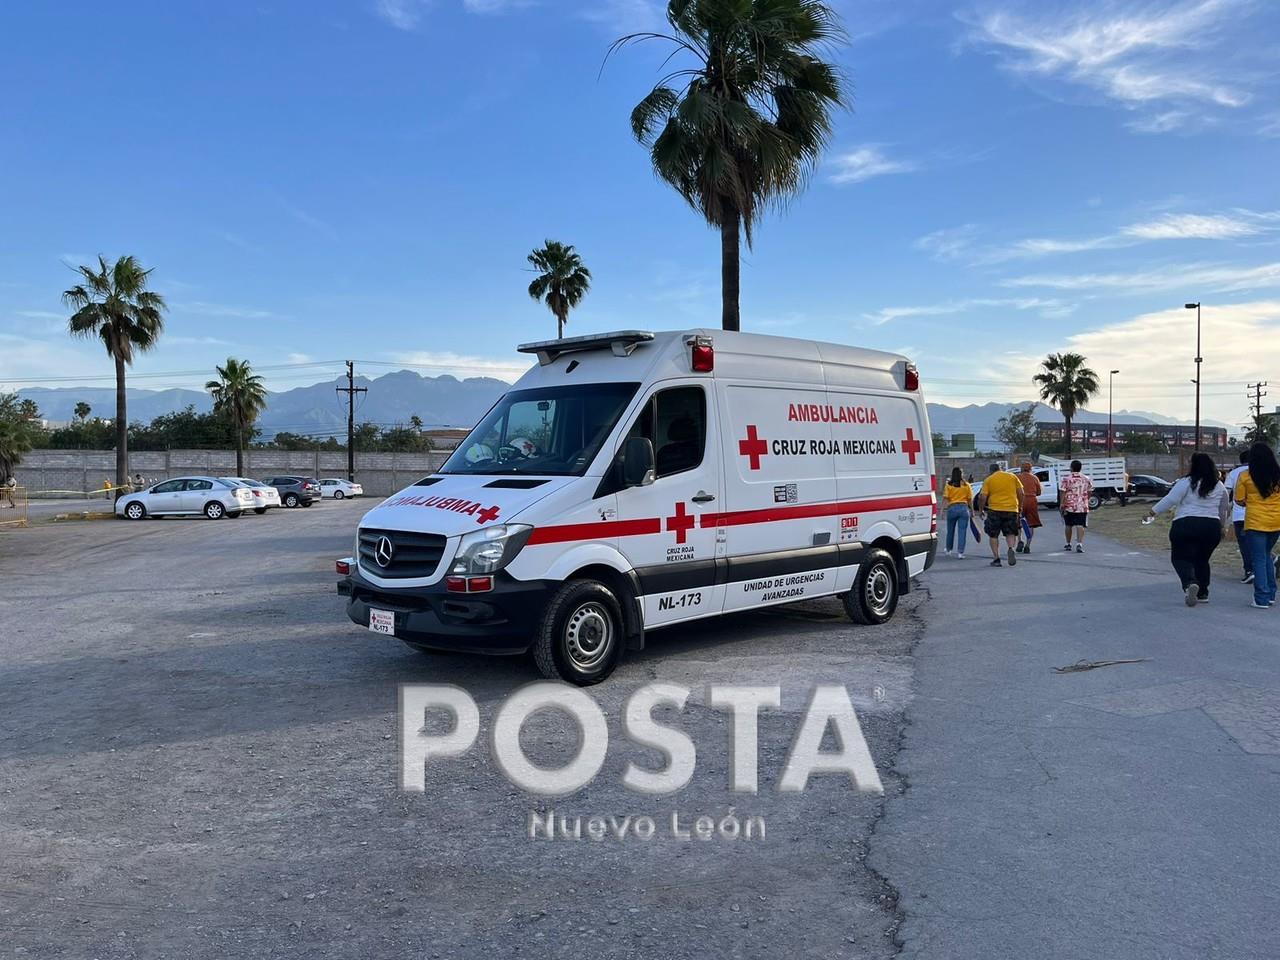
(1199, 360)
(1111, 392)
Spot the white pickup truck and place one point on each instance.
(1107, 473)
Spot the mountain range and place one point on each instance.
(446, 401)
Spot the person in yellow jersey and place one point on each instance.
(1258, 491)
(958, 496)
(1001, 503)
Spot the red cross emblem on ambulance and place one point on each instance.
(911, 446)
(681, 523)
(754, 448)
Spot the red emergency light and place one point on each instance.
(703, 355)
(912, 377)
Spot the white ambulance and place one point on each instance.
(633, 480)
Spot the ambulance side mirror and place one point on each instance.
(637, 462)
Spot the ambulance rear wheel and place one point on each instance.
(874, 596)
(580, 637)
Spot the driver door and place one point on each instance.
(676, 561)
(165, 497)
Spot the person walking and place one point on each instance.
(1237, 515)
(959, 499)
(1258, 491)
(1001, 504)
(1030, 506)
(1202, 507)
(1073, 492)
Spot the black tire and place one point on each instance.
(135, 514)
(259, 510)
(874, 596)
(1095, 501)
(338, 494)
(214, 510)
(307, 503)
(290, 499)
(580, 638)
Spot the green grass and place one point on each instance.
(1124, 525)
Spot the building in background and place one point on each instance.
(1092, 437)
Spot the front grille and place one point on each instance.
(414, 554)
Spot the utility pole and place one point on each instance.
(1199, 360)
(1256, 405)
(351, 390)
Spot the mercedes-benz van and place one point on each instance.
(633, 480)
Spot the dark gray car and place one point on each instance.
(295, 491)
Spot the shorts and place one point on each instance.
(1001, 523)
(1076, 519)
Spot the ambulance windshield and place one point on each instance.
(543, 431)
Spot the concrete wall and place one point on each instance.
(380, 473)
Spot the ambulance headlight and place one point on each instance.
(490, 549)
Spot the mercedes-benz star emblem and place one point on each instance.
(383, 551)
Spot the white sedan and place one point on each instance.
(264, 497)
(187, 496)
(340, 489)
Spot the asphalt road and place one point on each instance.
(198, 759)
(1127, 811)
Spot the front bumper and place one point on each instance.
(501, 621)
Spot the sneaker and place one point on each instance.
(959, 556)
(1260, 606)
(1026, 548)
(1067, 548)
(1202, 598)
(1019, 548)
(1079, 548)
(996, 562)
(1247, 578)
(946, 553)
(1013, 557)
(1192, 594)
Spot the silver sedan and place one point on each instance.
(187, 496)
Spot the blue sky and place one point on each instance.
(314, 181)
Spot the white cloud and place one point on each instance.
(1192, 278)
(865, 162)
(299, 358)
(401, 14)
(951, 243)
(1152, 57)
(1242, 344)
(626, 16)
(433, 364)
(221, 310)
(1193, 226)
(1054, 308)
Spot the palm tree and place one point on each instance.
(240, 394)
(83, 410)
(17, 434)
(1066, 383)
(753, 115)
(562, 280)
(415, 421)
(114, 304)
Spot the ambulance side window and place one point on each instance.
(675, 420)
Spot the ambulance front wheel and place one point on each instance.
(874, 596)
(580, 637)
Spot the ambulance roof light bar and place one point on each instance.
(621, 342)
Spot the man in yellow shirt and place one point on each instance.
(1001, 501)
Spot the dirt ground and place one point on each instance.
(198, 760)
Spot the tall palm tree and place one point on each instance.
(17, 434)
(241, 394)
(562, 279)
(83, 410)
(114, 304)
(752, 115)
(1066, 383)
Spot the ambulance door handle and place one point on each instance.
(703, 497)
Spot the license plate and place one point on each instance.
(382, 621)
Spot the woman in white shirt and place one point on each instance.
(1203, 507)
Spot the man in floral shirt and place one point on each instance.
(1074, 491)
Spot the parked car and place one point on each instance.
(340, 489)
(264, 497)
(187, 496)
(1142, 485)
(295, 491)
